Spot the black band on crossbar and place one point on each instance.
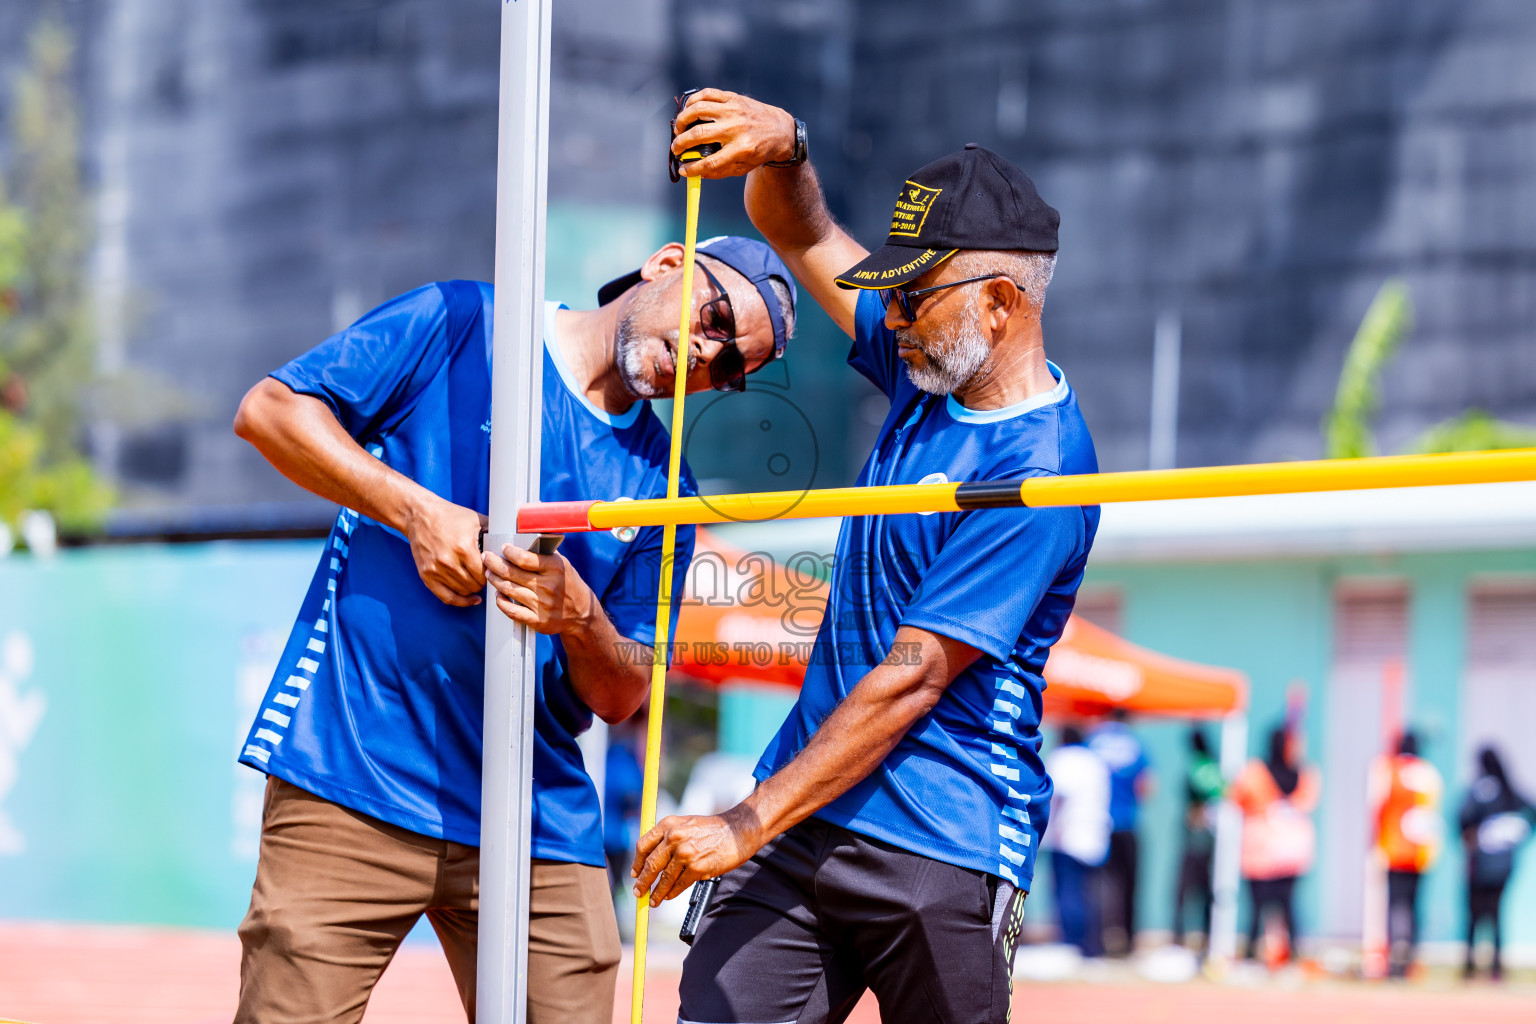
(989, 494)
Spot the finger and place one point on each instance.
(681, 883)
(516, 612)
(643, 848)
(471, 569)
(709, 96)
(495, 565)
(522, 595)
(653, 865)
(521, 557)
(519, 595)
(521, 577)
(725, 164)
(708, 109)
(699, 135)
(449, 596)
(665, 881)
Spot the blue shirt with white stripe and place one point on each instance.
(377, 702)
(966, 785)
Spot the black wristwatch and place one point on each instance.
(800, 150)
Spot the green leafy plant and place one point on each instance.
(47, 342)
(1473, 431)
(1347, 427)
(68, 488)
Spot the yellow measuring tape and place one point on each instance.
(664, 590)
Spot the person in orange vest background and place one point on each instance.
(1406, 791)
(1277, 796)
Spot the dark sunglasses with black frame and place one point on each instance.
(717, 321)
(904, 298)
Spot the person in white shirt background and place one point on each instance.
(1078, 838)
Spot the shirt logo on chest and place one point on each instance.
(932, 478)
(625, 534)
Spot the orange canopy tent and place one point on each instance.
(747, 618)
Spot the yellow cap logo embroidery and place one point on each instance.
(912, 208)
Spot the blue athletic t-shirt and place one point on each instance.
(1119, 748)
(966, 784)
(377, 703)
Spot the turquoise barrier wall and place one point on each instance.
(142, 667)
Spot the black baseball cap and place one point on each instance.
(750, 258)
(971, 199)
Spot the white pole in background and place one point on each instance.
(507, 773)
(1167, 340)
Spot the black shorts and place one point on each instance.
(821, 913)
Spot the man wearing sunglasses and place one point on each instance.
(892, 835)
(370, 732)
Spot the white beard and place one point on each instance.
(632, 363)
(966, 355)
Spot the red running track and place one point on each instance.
(90, 974)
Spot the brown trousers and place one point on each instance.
(336, 892)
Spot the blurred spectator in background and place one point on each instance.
(1495, 821)
(717, 783)
(1130, 783)
(623, 783)
(1202, 788)
(1078, 837)
(1405, 792)
(1277, 796)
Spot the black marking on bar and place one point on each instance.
(989, 494)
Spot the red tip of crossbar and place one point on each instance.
(554, 517)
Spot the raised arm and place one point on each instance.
(300, 436)
(786, 204)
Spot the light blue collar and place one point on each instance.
(961, 414)
(618, 422)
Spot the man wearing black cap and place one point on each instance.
(370, 731)
(893, 832)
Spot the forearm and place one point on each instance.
(787, 205)
(303, 440)
(849, 745)
(609, 672)
(846, 748)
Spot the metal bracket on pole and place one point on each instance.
(507, 773)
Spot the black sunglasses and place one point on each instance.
(903, 298)
(717, 321)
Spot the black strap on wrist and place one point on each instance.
(800, 149)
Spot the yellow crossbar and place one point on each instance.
(1040, 491)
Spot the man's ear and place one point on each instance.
(663, 261)
(1002, 300)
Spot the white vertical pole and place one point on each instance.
(1167, 341)
(593, 745)
(507, 773)
(1226, 868)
